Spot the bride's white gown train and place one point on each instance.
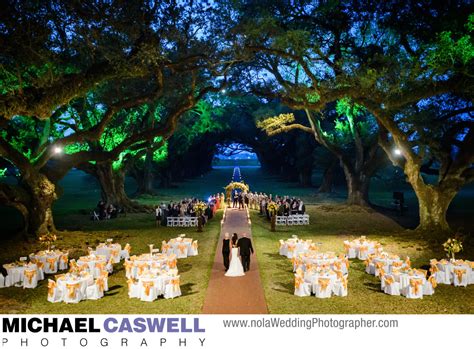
(235, 268)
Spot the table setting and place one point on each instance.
(74, 287)
(181, 246)
(361, 247)
(109, 249)
(22, 274)
(294, 246)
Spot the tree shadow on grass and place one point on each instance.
(284, 287)
(187, 289)
(275, 256)
(183, 268)
(373, 286)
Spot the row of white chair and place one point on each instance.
(296, 219)
(182, 221)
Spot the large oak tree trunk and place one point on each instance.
(304, 177)
(42, 196)
(144, 177)
(17, 198)
(112, 184)
(433, 205)
(357, 187)
(327, 184)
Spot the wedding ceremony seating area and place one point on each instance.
(181, 221)
(296, 219)
(185, 213)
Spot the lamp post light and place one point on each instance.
(397, 152)
(57, 150)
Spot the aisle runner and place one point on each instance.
(234, 295)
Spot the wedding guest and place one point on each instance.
(226, 250)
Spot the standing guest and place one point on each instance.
(236, 199)
(226, 250)
(157, 215)
(241, 201)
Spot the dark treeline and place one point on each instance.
(136, 88)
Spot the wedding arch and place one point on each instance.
(236, 185)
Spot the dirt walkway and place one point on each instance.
(234, 295)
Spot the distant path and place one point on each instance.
(234, 295)
(236, 176)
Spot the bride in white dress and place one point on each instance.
(235, 267)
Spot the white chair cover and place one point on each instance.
(73, 293)
(414, 291)
(302, 288)
(54, 293)
(429, 286)
(133, 289)
(282, 248)
(391, 286)
(460, 276)
(51, 265)
(172, 288)
(64, 261)
(2, 281)
(350, 251)
(96, 290)
(193, 251)
(362, 253)
(181, 250)
(148, 291)
(323, 288)
(125, 253)
(340, 287)
(30, 278)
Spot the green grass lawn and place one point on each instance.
(331, 225)
(139, 230)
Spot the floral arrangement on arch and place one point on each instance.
(452, 246)
(273, 207)
(200, 207)
(237, 185)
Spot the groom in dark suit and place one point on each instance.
(246, 249)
